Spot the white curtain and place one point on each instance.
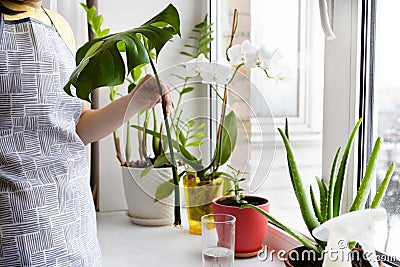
(72, 11)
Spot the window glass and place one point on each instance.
(387, 100)
(294, 27)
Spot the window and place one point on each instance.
(357, 76)
(293, 26)
(386, 123)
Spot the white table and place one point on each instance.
(126, 244)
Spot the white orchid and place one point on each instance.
(240, 54)
(237, 53)
(214, 72)
(263, 58)
(193, 66)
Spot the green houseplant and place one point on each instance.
(315, 213)
(202, 181)
(139, 193)
(99, 63)
(250, 225)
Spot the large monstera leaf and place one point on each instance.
(100, 63)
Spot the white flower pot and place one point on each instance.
(140, 195)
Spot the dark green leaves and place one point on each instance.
(100, 62)
(228, 139)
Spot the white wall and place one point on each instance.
(121, 15)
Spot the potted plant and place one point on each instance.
(202, 182)
(139, 192)
(316, 214)
(250, 225)
(99, 63)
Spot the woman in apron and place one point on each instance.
(47, 216)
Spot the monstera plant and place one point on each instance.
(100, 63)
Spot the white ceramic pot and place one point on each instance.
(140, 195)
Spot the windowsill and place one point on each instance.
(126, 244)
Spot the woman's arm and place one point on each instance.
(96, 124)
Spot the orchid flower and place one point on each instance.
(237, 53)
(214, 72)
(193, 66)
(262, 58)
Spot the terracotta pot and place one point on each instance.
(250, 225)
(308, 259)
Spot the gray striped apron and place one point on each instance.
(47, 216)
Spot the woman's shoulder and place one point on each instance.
(63, 28)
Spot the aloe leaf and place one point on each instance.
(365, 186)
(296, 235)
(301, 194)
(332, 179)
(315, 205)
(323, 197)
(380, 192)
(337, 194)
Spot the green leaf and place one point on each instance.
(170, 16)
(176, 145)
(315, 205)
(380, 192)
(164, 190)
(296, 235)
(137, 72)
(187, 54)
(190, 46)
(195, 143)
(105, 66)
(365, 186)
(191, 123)
(187, 90)
(205, 43)
(337, 194)
(332, 179)
(197, 135)
(203, 51)
(146, 171)
(228, 139)
(301, 194)
(323, 196)
(160, 161)
(182, 138)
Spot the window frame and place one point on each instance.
(307, 124)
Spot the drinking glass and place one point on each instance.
(218, 236)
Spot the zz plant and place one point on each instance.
(315, 213)
(99, 63)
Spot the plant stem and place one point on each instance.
(177, 211)
(219, 133)
(128, 143)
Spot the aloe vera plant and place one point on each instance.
(99, 63)
(315, 213)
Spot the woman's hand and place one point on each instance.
(95, 124)
(146, 94)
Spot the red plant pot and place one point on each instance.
(250, 224)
